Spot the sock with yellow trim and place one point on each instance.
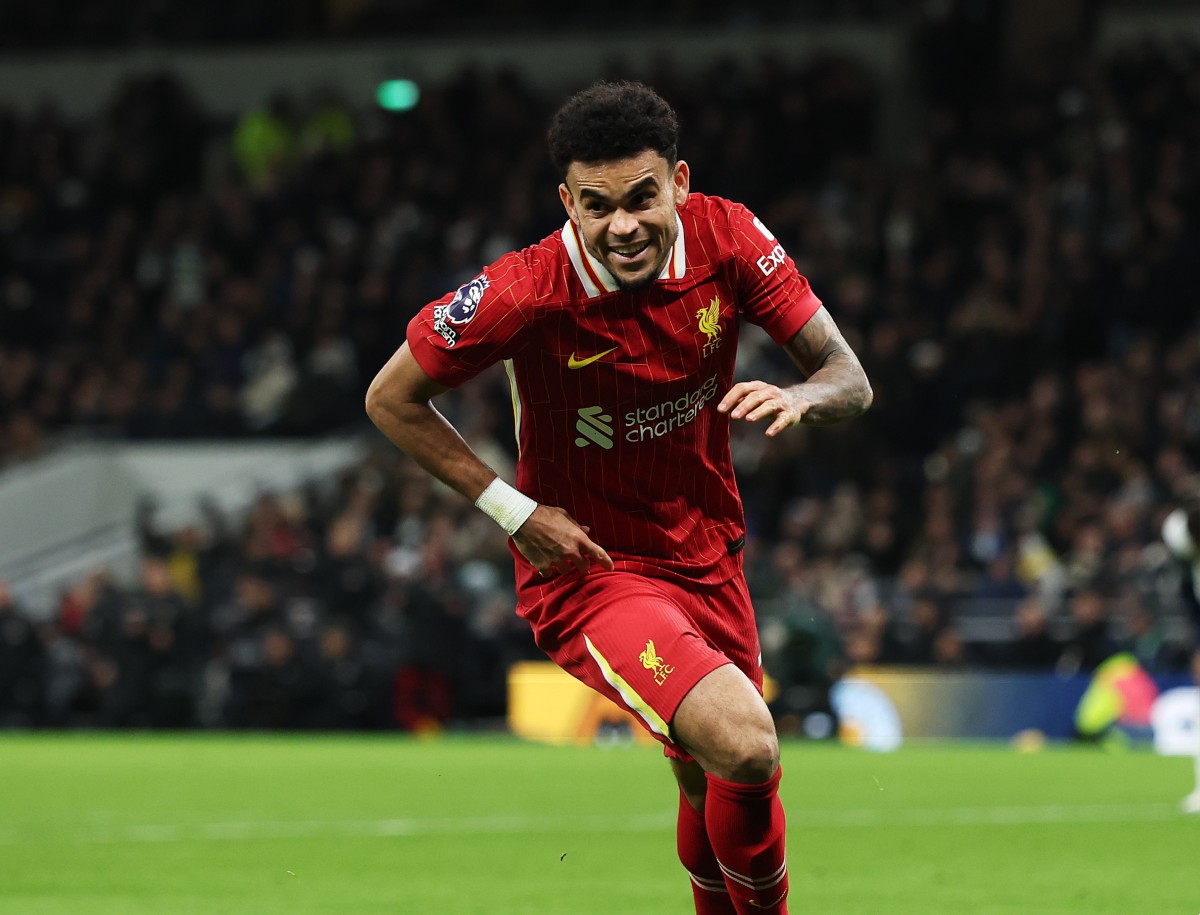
(747, 830)
(696, 854)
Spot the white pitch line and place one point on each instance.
(243, 830)
(240, 830)
(990, 816)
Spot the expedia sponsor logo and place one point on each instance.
(460, 309)
(775, 258)
(765, 231)
(770, 262)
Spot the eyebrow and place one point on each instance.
(647, 182)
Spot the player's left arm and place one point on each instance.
(836, 387)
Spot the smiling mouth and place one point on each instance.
(629, 252)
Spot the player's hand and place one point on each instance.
(755, 400)
(552, 541)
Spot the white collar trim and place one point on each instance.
(597, 279)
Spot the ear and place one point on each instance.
(681, 182)
(568, 202)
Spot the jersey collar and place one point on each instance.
(597, 279)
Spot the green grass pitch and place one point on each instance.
(206, 825)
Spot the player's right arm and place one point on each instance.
(399, 402)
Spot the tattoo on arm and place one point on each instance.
(837, 387)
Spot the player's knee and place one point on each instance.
(756, 757)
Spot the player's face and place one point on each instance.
(625, 211)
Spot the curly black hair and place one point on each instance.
(612, 121)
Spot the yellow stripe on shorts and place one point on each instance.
(628, 694)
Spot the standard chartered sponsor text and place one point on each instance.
(647, 423)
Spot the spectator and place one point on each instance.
(1090, 642)
(20, 664)
(1034, 646)
(264, 143)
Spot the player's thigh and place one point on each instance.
(629, 638)
(725, 615)
(725, 725)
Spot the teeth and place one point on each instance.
(629, 249)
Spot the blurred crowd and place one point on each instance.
(1017, 286)
(35, 24)
(302, 614)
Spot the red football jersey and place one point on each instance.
(615, 392)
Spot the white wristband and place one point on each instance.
(505, 505)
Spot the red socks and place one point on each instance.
(708, 883)
(745, 825)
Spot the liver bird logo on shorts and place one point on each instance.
(652, 662)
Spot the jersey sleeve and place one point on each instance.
(480, 323)
(773, 293)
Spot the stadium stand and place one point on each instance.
(1018, 289)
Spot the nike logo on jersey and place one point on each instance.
(574, 363)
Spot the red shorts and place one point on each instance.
(645, 642)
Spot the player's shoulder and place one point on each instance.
(719, 211)
(724, 229)
(716, 213)
(537, 273)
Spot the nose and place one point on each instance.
(623, 223)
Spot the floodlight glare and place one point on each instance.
(397, 95)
